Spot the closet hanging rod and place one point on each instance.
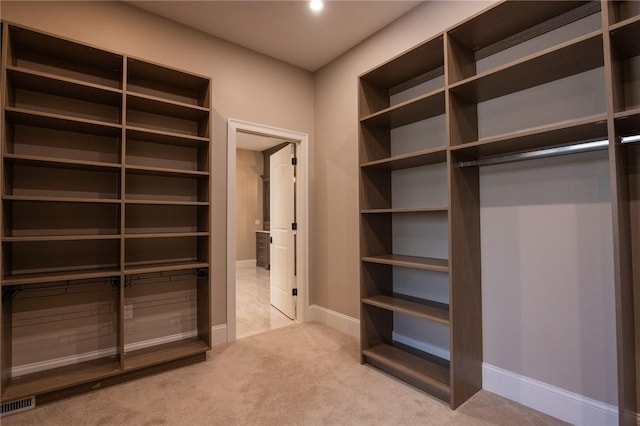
(63, 284)
(542, 153)
(630, 139)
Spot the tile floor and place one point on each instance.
(254, 313)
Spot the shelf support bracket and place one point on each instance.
(8, 294)
(115, 283)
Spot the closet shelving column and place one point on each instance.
(403, 217)
(622, 56)
(105, 203)
(166, 190)
(503, 54)
(60, 206)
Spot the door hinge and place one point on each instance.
(294, 161)
(294, 291)
(294, 226)
(270, 240)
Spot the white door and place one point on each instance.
(282, 217)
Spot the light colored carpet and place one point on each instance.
(304, 374)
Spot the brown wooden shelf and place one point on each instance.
(160, 78)
(628, 122)
(94, 64)
(60, 378)
(62, 199)
(624, 37)
(630, 113)
(155, 105)
(169, 138)
(133, 235)
(61, 86)
(407, 210)
(423, 309)
(629, 22)
(427, 369)
(78, 237)
(490, 26)
(570, 58)
(414, 110)
(25, 279)
(162, 353)
(33, 160)
(162, 267)
(564, 133)
(406, 161)
(168, 203)
(61, 122)
(428, 263)
(162, 171)
(409, 66)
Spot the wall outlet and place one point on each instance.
(257, 221)
(128, 311)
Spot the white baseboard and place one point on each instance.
(218, 334)
(160, 340)
(548, 399)
(425, 347)
(333, 319)
(34, 367)
(246, 263)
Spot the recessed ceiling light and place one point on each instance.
(316, 5)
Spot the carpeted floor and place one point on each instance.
(304, 374)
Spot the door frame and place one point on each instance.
(302, 214)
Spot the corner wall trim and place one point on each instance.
(333, 319)
(546, 398)
(218, 334)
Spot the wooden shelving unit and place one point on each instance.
(105, 204)
(426, 108)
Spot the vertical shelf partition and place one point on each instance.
(428, 122)
(621, 21)
(105, 212)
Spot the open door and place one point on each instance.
(282, 227)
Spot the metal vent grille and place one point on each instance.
(18, 406)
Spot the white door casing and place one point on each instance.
(282, 216)
(301, 140)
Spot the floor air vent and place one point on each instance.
(18, 406)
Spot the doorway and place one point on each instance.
(261, 138)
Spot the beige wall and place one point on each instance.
(335, 204)
(249, 165)
(246, 85)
